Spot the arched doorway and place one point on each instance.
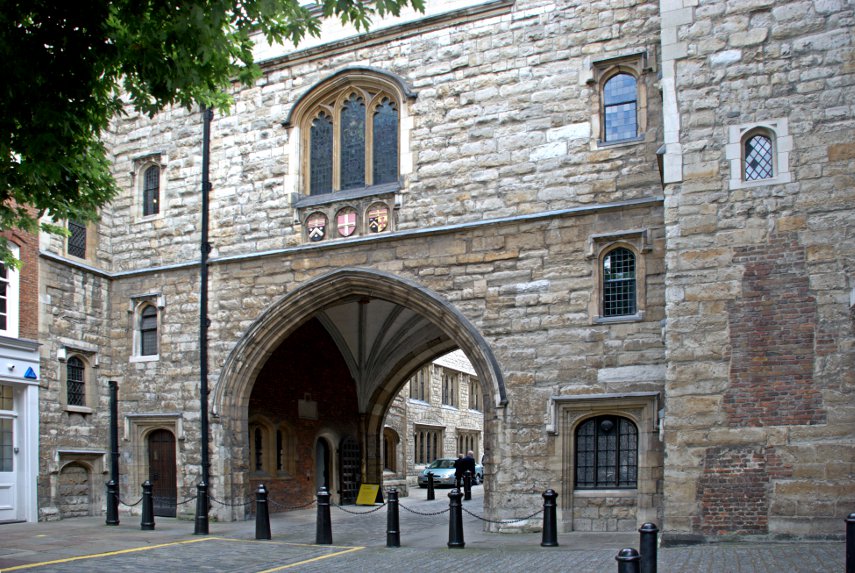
(350, 474)
(375, 329)
(161, 472)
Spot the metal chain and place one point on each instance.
(231, 504)
(503, 521)
(290, 507)
(188, 500)
(129, 504)
(427, 514)
(378, 508)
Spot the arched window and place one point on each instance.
(606, 453)
(148, 331)
(758, 156)
(620, 108)
(75, 371)
(151, 191)
(618, 280)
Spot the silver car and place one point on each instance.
(443, 473)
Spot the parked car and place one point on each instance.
(443, 473)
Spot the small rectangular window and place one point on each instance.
(77, 239)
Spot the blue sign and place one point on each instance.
(30, 374)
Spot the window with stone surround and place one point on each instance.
(420, 385)
(449, 388)
(468, 441)
(9, 296)
(262, 454)
(147, 183)
(759, 153)
(75, 244)
(145, 312)
(151, 191)
(286, 450)
(427, 444)
(474, 395)
(78, 391)
(619, 276)
(620, 110)
(349, 145)
(606, 453)
(390, 449)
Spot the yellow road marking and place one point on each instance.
(162, 545)
(312, 560)
(108, 554)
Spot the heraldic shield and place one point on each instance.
(316, 226)
(378, 218)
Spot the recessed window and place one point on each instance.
(148, 331)
(420, 385)
(606, 453)
(619, 292)
(449, 389)
(76, 244)
(75, 372)
(620, 103)
(758, 157)
(151, 191)
(427, 445)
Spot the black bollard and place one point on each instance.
(627, 560)
(393, 529)
(112, 503)
(455, 519)
(201, 509)
(262, 514)
(550, 519)
(648, 547)
(467, 486)
(431, 494)
(323, 531)
(850, 543)
(147, 523)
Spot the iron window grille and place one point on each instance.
(607, 453)
(77, 239)
(75, 381)
(619, 292)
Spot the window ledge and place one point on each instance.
(639, 316)
(628, 492)
(629, 141)
(79, 409)
(304, 201)
(151, 358)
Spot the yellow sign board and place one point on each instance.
(369, 494)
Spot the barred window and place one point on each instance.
(75, 381)
(758, 158)
(619, 292)
(76, 246)
(151, 191)
(606, 453)
(620, 105)
(148, 331)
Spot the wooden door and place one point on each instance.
(161, 472)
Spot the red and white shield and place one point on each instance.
(346, 220)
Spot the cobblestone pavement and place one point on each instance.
(86, 544)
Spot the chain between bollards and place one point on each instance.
(455, 519)
(147, 522)
(323, 530)
(393, 524)
(262, 514)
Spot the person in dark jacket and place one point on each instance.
(459, 470)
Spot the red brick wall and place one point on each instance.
(29, 282)
(772, 331)
(308, 362)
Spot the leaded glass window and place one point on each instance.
(619, 293)
(6, 398)
(758, 158)
(148, 331)
(620, 103)
(353, 143)
(385, 130)
(151, 191)
(77, 239)
(606, 453)
(75, 381)
(321, 155)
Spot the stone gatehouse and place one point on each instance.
(633, 218)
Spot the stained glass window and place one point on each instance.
(758, 158)
(148, 331)
(619, 283)
(353, 143)
(385, 164)
(151, 191)
(321, 155)
(606, 453)
(620, 100)
(77, 239)
(75, 382)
